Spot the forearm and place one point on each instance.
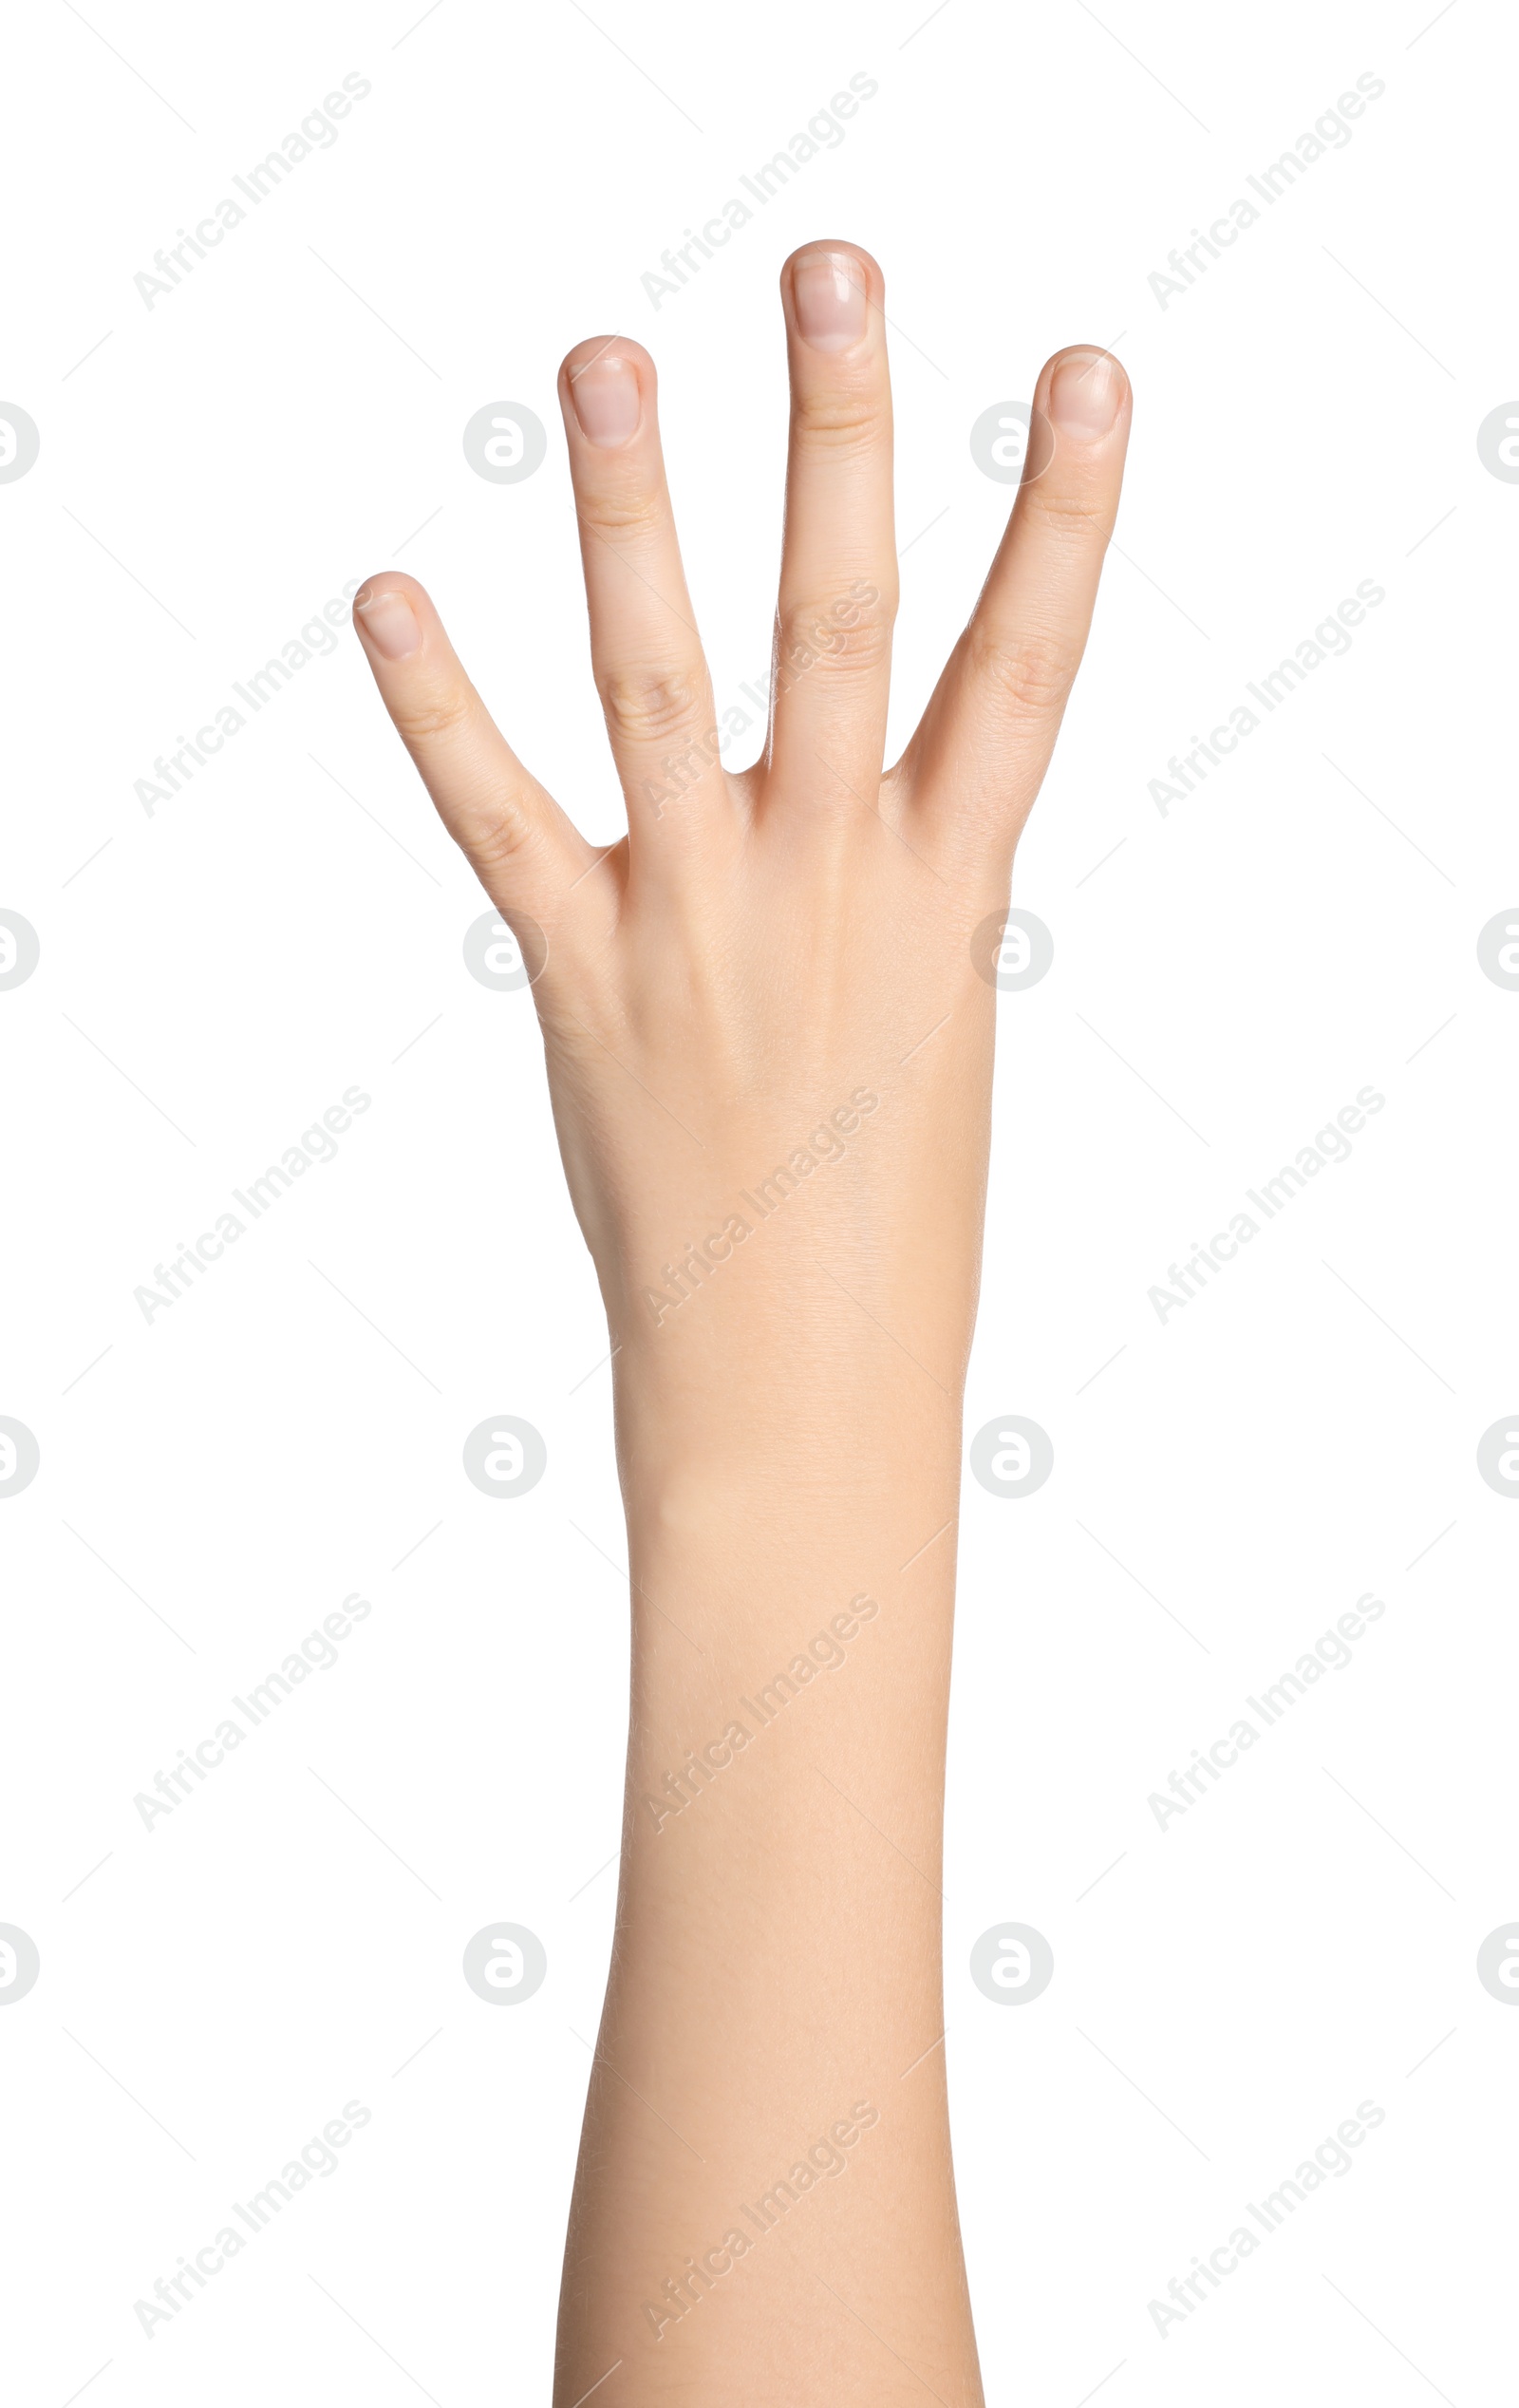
(775, 1999)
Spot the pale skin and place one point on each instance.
(773, 970)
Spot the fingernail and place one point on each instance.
(1085, 392)
(828, 291)
(390, 622)
(607, 400)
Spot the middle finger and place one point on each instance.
(838, 580)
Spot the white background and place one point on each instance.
(1227, 1483)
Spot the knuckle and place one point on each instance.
(841, 421)
(434, 715)
(495, 841)
(617, 508)
(851, 634)
(648, 706)
(1070, 513)
(1030, 674)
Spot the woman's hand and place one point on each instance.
(769, 1030)
(766, 949)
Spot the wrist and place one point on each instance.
(792, 1455)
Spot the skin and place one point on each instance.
(775, 970)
